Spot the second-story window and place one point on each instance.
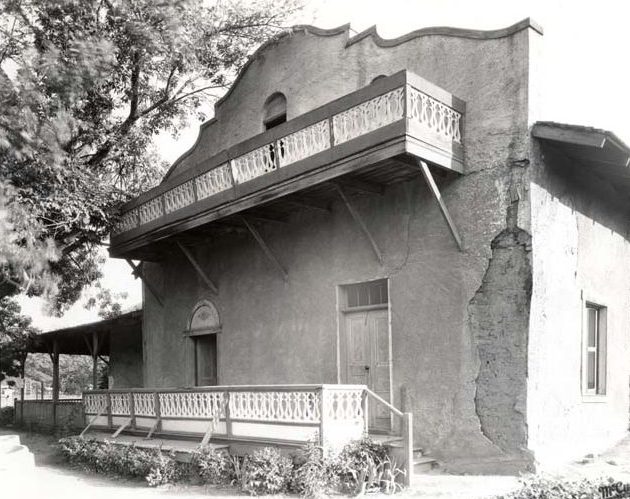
(275, 110)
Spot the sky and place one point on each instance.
(586, 46)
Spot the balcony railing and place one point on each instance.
(428, 115)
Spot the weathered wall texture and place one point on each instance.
(125, 360)
(581, 250)
(444, 352)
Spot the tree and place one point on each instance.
(86, 85)
(16, 333)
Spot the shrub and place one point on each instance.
(266, 471)
(122, 460)
(364, 465)
(538, 487)
(313, 473)
(6, 416)
(214, 466)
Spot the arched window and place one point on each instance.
(203, 327)
(275, 110)
(204, 319)
(376, 78)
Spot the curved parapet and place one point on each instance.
(312, 66)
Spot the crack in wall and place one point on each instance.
(498, 319)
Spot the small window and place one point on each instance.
(275, 111)
(367, 294)
(376, 78)
(594, 355)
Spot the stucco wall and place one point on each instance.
(125, 360)
(287, 332)
(581, 250)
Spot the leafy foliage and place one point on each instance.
(86, 85)
(541, 487)
(16, 334)
(108, 304)
(6, 416)
(266, 471)
(362, 466)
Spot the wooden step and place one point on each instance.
(424, 464)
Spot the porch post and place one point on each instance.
(94, 360)
(22, 370)
(55, 381)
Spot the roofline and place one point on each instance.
(134, 314)
(578, 135)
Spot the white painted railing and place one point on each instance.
(330, 414)
(433, 118)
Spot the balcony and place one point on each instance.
(372, 137)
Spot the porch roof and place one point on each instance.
(594, 149)
(77, 340)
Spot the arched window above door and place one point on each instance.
(275, 110)
(204, 319)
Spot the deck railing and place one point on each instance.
(291, 414)
(425, 112)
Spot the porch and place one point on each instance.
(241, 418)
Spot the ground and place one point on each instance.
(52, 478)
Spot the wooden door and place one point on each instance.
(206, 360)
(368, 359)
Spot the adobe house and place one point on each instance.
(385, 220)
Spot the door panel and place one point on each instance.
(206, 360)
(368, 359)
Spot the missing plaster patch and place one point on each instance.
(498, 317)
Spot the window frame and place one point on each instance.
(599, 352)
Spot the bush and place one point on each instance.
(122, 460)
(266, 471)
(362, 464)
(313, 473)
(214, 467)
(6, 416)
(550, 488)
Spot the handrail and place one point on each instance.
(385, 403)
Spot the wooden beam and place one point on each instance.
(305, 202)
(126, 423)
(94, 360)
(204, 277)
(55, 381)
(357, 218)
(359, 185)
(426, 173)
(137, 272)
(265, 248)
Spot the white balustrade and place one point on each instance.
(277, 406)
(94, 403)
(151, 210)
(120, 404)
(179, 197)
(254, 164)
(144, 404)
(216, 180)
(343, 404)
(434, 115)
(369, 116)
(304, 143)
(192, 404)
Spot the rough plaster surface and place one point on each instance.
(287, 332)
(580, 252)
(125, 363)
(499, 321)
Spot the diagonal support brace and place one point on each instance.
(211, 286)
(428, 177)
(357, 218)
(265, 248)
(137, 272)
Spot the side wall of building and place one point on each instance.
(125, 360)
(581, 249)
(459, 356)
